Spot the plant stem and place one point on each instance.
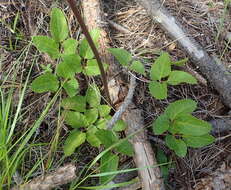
(92, 45)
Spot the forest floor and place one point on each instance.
(128, 26)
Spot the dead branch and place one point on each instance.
(150, 177)
(59, 177)
(216, 73)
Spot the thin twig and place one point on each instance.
(92, 45)
(125, 104)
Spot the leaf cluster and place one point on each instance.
(181, 128)
(74, 57)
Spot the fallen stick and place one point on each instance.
(93, 18)
(216, 73)
(150, 177)
(61, 176)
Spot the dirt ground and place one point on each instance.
(128, 26)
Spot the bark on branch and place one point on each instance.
(59, 177)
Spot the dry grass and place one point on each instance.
(144, 39)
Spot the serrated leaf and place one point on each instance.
(91, 115)
(71, 87)
(69, 46)
(74, 140)
(46, 45)
(177, 77)
(190, 125)
(125, 147)
(84, 49)
(92, 138)
(93, 96)
(180, 107)
(104, 110)
(106, 137)
(108, 163)
(44, 83)
(77, 103)
(180, 62)
(102, 122)
(161, 67)
(138, 67)
(69, 67)
(92, 68)
(177, 145)
(58, 25)
(122, 56)
(158, 90)
(161, 124)
(75, 119)
(120, 125)
(197, 142)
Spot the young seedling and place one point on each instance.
(85, 114)
(181, 129)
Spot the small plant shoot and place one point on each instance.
(86, 115)
(182, 130)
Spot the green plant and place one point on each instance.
(85, 114)
(181, 128)
(161, 74)
(64, 49)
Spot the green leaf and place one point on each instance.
(46, 68)
(123, 56)
(102, 122)
(58, 25)
(161, 67)
(93, 96)
(84, 49)
(197, 142)
(180, 107)
(138, 67)
(75, 119)
(177, 77)
(70, 46)
(44, 83)
(120, 125)
(104, 110)
(180, 62)
(46, 45)
(74, 140)
(92, 68)
(92, 138)
(161, 124)
(108, 163)
(190, 125)
(91, 115)
(125, 147)
(70, 66)
(177, 145)
(77, 103)
(71, 87)
(106, 137)
(158, 90)
(162, 159)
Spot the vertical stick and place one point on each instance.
(93, 47)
